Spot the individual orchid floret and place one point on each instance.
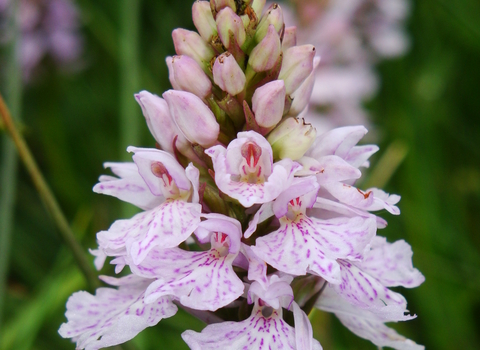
(202, 280)
(265, 328)
(228, 75)
(113, 316)
(203, 20)
(304, 244)
(196, 121)
(191, 44)
(265, 55)
(245, 169)
(273, 16)
(230, 26)
(364, 323)
(291, 138)
(268, 103)
(165, 225)
(185, 74)
(297, 65)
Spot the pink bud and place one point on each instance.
(228, 75)
(301, 96)
(171, 75)
(188, 76)
(289, 38)
(264, 56)
(228, 21)
(218, 5)
(268, 102)
(191, 44)
(159, 121)
(296, 66)
(274, 16)
(194, 119)
(203, 19)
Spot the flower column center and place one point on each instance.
(168, 185)
(251, 169)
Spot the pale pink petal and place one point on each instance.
(391, 264)
(260, 216)
(303, 330)
(337, 142)
(113, 316)
(328, 169)
(364, 323)
(129, 186)
(326, 208)
(371, 199)
(366, 292)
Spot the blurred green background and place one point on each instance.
(429, 102)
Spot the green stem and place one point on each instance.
(48, 198)
(8, 170)
(130, 120)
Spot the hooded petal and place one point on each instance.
(129, 186)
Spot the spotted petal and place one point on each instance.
(166, 226)
(391, 264)
(312, 245)
(113, 316)
(364, 323)
(200, 280)
(366, 292)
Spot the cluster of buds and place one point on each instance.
(250, 219)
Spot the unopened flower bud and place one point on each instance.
(171, 75)
(274, 16)
(264, 56)
(228, 75)
(188, 76)
(194, 119)
(291, 139)
(160, 123)
(268, 102)
(297, 64)
(228, 21)
(217, 5)
(289, 38)
(191, 44)
(203, 19)
(257, 6)
(301, 96)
